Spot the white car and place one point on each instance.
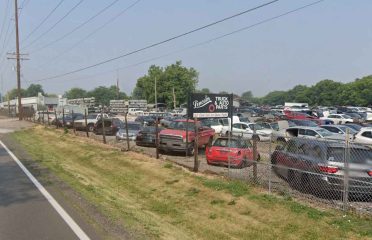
(339, 118)
(313, 133)
(246, 130)
(91, 120)
(364, 136)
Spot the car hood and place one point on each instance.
(130, 131)
(335, 137)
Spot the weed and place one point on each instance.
(168, 165)
(217, 201)
(232, 202)
(192, 192)
(212, 216)
(172, 181)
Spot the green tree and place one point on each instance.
(204, 90)
(173, 78)
(12, 94)
(33, 90)
(103, 95)
(247, 96)
(75, 93)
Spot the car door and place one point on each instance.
(247, 131)
(237, 129)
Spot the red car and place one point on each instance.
(239, 153)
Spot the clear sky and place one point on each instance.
(330, 40)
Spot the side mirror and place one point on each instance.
(340, 132)
(317, 136)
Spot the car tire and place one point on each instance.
(191, 151)
(293, 179)
(90, 127)
(256, 137)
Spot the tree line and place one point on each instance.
(324, 93)
(175, 82)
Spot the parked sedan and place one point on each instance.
(133, 129)
(319, 167)
(147, 136)
(237, 152)
(246, 130)
(339, 129)
(364, 136)
(339, 118)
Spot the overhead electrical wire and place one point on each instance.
(43, 21)
(161, 42)
(5, 17)
(77, 27)
(55, 24)
(90, 34)
(7, 40)
(204, 42)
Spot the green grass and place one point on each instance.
(157, 200)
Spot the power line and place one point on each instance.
(54, 25)
(90, 34)
(7, 40)
(5, 17)
(43, 21)
(78, 27)
(207, 41)
(161, 42)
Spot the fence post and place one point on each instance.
(103, 127)
(126, 130)
(270, 164)
(34, 117)
(254, 138)
(73, 121)
(56, 119)
(196, 140)
(48, 118)
(346, 172)
(86, 122)
(43, 121)
(187, 137)
(157, 136)
(63, 117)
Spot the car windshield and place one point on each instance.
(92, 116)
(234, 143)
(323, 132)
(182, 125)
(255, 126)
(275, 126)
(361, 156)
(354, 126)
(132, 126)
(345, 128)
(211, 122)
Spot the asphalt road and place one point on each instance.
(25, 213)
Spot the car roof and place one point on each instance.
(323, 143)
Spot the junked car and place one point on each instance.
(236, 152)
(133, 129)
(319, 167)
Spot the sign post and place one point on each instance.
(207, 106)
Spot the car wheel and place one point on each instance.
(191, 151)
(90, 127)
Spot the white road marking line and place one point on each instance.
(70, 222)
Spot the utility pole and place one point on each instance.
(156, 98)
(174, 99)
(17, 57)
(117, 85)
(20, 112)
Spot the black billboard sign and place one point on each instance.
(203, 105)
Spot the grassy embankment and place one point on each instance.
(159, 200)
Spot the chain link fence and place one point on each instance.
(318, 171)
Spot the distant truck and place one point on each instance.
(174, 138)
